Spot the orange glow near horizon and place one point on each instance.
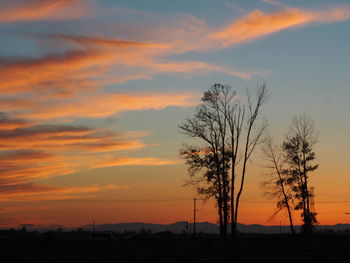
(75, 214)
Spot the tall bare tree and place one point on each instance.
(235, 118)
(253, 135)
(299, 156)
(276, 186)
(219, 123)
(210, 162)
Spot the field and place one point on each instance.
(166, 247)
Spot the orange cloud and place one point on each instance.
(20, 168)
(104, 105)
(33, 192)
(31, 10)
(257, 24)
(12, 103)
(63, 137)
(22, 157)
(81, 67)
(61, 73)
(41, 151)
(89, 58)
(143, 55)
(31, 151)
(122, 161)
(102, 42)
(26, 165)
(7, 123)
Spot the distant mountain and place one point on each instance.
(205, 227)
(177, 227)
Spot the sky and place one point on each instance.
(93, 91)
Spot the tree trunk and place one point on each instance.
(232, 200)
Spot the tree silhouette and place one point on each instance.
(252, 139)
(299, 156)
(219, 124)
(211, 161)
(276, 186)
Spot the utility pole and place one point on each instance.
(194, 216)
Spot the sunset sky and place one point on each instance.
(93, 91)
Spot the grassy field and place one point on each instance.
(165, 247)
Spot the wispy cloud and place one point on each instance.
(8, 123)
(124, 161)
(64, 74)
(33, 10)
(105, 105)
(88, 59)
(274, 3)
(61, 137)
(99, 41)
(23, 166)
(38, 152)
(32, 192)
(257, 24)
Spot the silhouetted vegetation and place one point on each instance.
(276, 184)
(227, 127)
(290, 164)
(299, 154)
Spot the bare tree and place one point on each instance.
(276, 186)
(253, 135)
(211, 161)
(235, 118)
(219, 123)
(299, 156)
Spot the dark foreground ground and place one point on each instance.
(79, 246)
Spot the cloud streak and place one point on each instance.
(22, 166)
(39, 152)
(89, 58)
(63, 137)
(8, 123)
(125, 161)
(104, 105)
(33, 192)
(257, 24)
(34, 10)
